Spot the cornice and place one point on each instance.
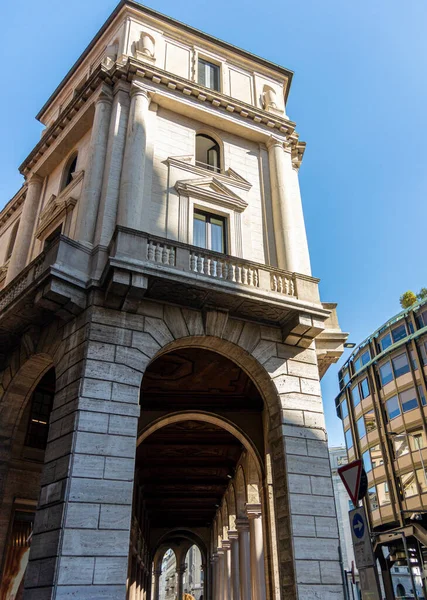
(13, 205)
(137, 69)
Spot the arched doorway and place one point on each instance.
(400, 591)
(201, 428)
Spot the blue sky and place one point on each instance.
(359, 98)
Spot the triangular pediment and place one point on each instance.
(237, 179)
(211, 189)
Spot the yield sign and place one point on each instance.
(350, 475)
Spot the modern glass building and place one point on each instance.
(382, 404)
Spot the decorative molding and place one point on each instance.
(230, 176)
(13, 205)
(58, 206)
(211, 190)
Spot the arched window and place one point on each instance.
(400, 590)
(207, 153)
(12, 239)
(68, 171)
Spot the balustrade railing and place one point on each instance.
(161, 253)
(226, 269)
(283, 284)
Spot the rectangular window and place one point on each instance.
(348, 439)
(385, 341)
(423, 351)
(386, 373)
(408, 484)
(408, 399)
(355, 395)
(370, 420)
(422, 319)
(401, 445)
(421, 477)
(376, 456)
(393, 408)
(373, 497)
(366, 458)
(364, 388)
(362, 360)
(421, 392)
(208, 74)
(344, 408)
(413, 360)
(361, 427)
(383, 495)
(209, 231)
(398, 333)
(400, 365)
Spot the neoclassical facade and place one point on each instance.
(162, 337)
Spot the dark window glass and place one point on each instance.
(344, 408)
(393, 408)
(421, 392)
(41, 406)
(408, 399)
(207, 153)
(208, 74)
(376, 456)
(346, 377)
(422, 319)
(364, 388)
(348, 439)
(370, 420)
(366, 357)
(12, 239)
(399, 333)
(361, 427)
(400, 365)
(209, 231)
(386, 373)
(413, 360)
(355, 395)
(70, 170)
(373, 498)
(51, 238)
(423, 351)
(385, 342)
(411, 327)
(366, 458)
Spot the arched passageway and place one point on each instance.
(199, 472)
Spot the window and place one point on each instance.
(361, 361)
(373, 498)
(400, 365)
(207, 153)
(364, 388)
(209, 231)
(366, 457)
(393, 409)
(41, 406)
(348, 439)
(399, 333)
(413, 360)
(408, 399)
(421, 477)
(208, 74)
(12, 239)
(421, 392)
(408, 485)
(385, 342)
(383, 495)
(376, 456)
(423, 351)
(344, 378)
(370, 420)
(422, 319)
(69, 170)
(52, 237)
(361, 427)
(355, 395)
(401, 445)
(344, 409)
(386, 373)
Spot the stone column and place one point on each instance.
(289, 228)
(220, 574)
(242, 526)
(257, 551)
(233, 536)
(214, 568)
(131, 201)
(92, 185)
(27, 223)
(107, 213)
(226, 595)
(180, 582)
(156, 584)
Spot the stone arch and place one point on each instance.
(213, 135)
(166, 541)
(253, 482)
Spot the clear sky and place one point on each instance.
(359, 98)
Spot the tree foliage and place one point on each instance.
(422, 294)
(407, 299)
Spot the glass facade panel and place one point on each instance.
(408, 484)
(346, 377)
(199, 230)
(408, 399)
(373, 497)
(400, 365)
(361, 427)
(401, 445)
(386, 373)
(383, 494)
(376, 456)
(364, 388)
(355, 395)
(348, 439)
(393, 408)
(422, 396)
(398, 333)
(423, 351)
(370, 420)
(208, 74)
(362, 360)
(344, 408)
(217, 234)
(385, 341)
(421, 477)
(366, 458)
(417, 439)
(413, 360)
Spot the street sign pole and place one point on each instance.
(364, 555)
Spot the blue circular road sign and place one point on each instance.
(358, 526)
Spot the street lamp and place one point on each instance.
(411, 435)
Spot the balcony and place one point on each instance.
(138, 265)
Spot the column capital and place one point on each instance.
(214, 557)
(233, 534)
(274, 142)
(121, 86)
(34, 179)
(253, 511)
(220, 552)
(242, 524)
(139, 89)
(226, 545)
(105, 95)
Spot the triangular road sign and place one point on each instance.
(350, 476)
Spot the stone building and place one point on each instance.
(382, 404)
(162, 337)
